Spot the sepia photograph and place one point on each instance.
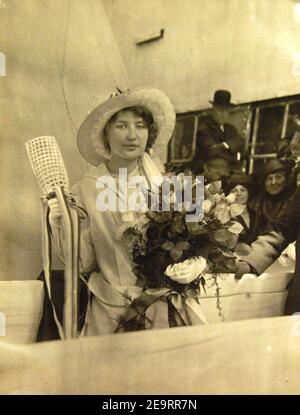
(150, 199)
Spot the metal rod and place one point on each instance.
(254, 139)
(68, 254)
(75, 236)
(46, 253)
(248, 126)
(285, 120)
(263, 156)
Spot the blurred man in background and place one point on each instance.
(217, 139)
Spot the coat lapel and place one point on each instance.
(216, 130)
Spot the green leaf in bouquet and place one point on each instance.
(196, 228)
(176, 254)
(232, 241)
(236, 228)
(216, 256)
(168, 245)
(228, 253)
(221, 235)
(183, 246)
(236, 209)
(155, 245)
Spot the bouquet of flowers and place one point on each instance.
(171, 257)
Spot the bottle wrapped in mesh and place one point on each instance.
(47, 163)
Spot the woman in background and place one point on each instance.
(276, 191)
(241, 186)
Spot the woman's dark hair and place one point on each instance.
(142, 112)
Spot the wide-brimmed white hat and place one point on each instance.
(90, 138)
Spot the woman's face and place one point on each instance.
(275, 183)
(241, 194)
(127, 136)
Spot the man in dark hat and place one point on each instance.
(216, 138)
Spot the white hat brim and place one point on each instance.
(90, 139)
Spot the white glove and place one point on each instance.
(55, 216)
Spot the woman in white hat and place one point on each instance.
(117, 134)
